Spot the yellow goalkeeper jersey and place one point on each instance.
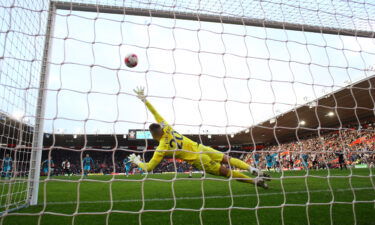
(171, 144)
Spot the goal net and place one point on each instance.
(285, 86)
(22, 34)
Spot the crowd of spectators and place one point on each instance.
(170, 166)
(105, 166)
(355, 143)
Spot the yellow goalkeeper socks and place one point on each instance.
(239, 163)
(236, 174)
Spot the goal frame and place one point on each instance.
(98, 8)
(37, 144)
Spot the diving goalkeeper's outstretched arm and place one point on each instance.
(157, 132)
(141, 95)
(156, 159)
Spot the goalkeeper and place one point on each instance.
(202, 157)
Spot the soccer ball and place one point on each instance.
(131, 60)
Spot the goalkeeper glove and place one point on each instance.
(140, 91)
(135, 159)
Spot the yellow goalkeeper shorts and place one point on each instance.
(215, 155)
(205, 163)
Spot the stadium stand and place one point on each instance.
(342, 121)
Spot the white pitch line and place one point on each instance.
(200, 197)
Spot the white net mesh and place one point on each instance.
(21, 40)
(354, 15)
(293, 80)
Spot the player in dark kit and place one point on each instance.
(315, 163)
(291, 162)
(341, 160)
(66, 167)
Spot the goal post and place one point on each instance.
(37, 144)
(22, 35)
(242, 94)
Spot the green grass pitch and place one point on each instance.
(208, 201)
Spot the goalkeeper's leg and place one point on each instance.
(243, 165)
(206, 164)
(221, 158)
(224, 171)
